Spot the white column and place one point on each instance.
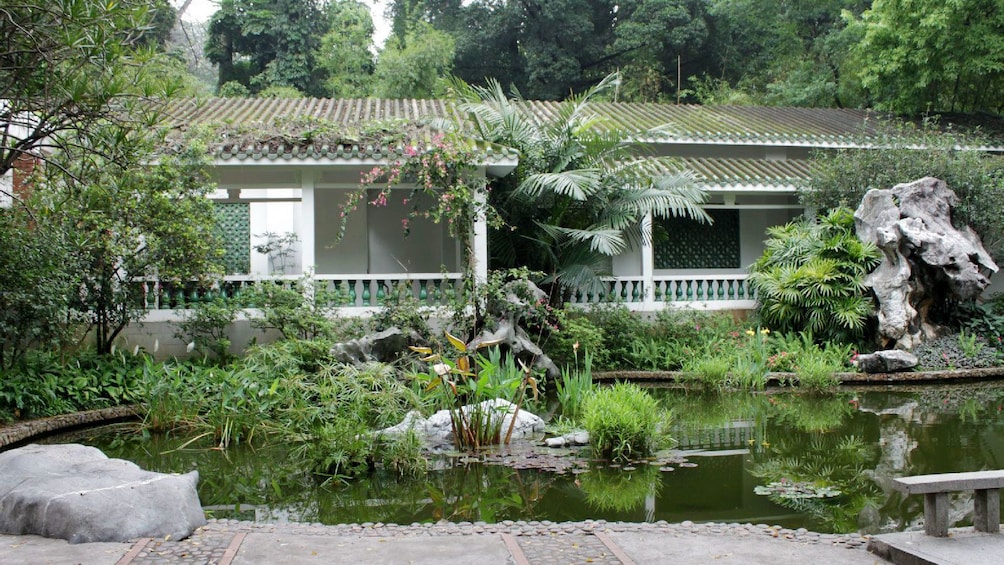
(479, 239)
(307, 236)
(648, 262)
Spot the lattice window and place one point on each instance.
(692, 245)
(233, 220)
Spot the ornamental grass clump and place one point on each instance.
(624, 422)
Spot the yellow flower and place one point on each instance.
(751, 442)
(765, 444)
(750, 333)
(765, 331)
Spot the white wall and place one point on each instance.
(391, 251)
(627, 264)
(6, 188)
(276, 217)
(753, 226)
(348, 256)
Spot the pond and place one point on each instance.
(780, 457)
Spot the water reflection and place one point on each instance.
(852, 443)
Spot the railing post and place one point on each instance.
(647, 263)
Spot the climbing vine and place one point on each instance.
(446, 185)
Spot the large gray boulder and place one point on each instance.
(77, 493)
(925, 258)
(888, 361)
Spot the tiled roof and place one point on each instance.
(359, 130)
(740, 174)
(815, 127)
(313, 129)
(268, 110)
(654, 123)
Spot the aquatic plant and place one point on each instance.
(624, 422)
(575, 384)
(468, 384)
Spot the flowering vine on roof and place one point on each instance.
(442, 182)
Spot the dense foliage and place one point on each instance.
(811, 278)
(624, 422)
(928, 55)
(843, 178)
(83, 63)
(578, 196)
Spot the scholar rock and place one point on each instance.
(77, 493)
(520, 297)
(925, 258)
(890, 361)
(384, 347)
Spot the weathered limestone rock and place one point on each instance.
(383, 347)
(77, 493)
(924, 257)
(439, 426)
(889, 361)
(513, 337)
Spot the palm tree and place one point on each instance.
(581, 190)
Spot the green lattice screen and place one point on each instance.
(693, 245)
(234, 223)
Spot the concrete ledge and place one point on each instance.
(962, 545)
(913, 377)
(19, 432)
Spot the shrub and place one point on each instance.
(205, 324)
(402, 310)
(297, 311)
(575, 328)
(620, 328)
(624, 422)
(811, 278)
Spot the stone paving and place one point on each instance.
(541, 542)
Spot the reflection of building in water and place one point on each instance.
(734, 435)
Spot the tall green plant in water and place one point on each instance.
(811, 277)
(469, 385)
(624, 422)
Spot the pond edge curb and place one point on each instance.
(22, 431)
(905, 377)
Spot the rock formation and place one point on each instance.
(925, 258)
(77, 493)
(439, 426)
(508, 331)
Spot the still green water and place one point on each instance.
(843, 449)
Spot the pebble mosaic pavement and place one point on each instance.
(536, 542)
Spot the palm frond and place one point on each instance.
(576, 184)
(604, 241)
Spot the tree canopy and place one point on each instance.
(80, 83)
(918, 56)
(64, 66)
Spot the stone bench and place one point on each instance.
(985, 485)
